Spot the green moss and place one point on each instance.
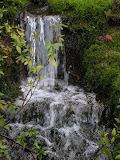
(87, 10)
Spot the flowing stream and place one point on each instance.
(66, 116)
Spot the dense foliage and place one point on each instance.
(86, 10)
(101, 58)
(12, 7)
(11, 80)
(102, 63)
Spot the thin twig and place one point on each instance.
(28, 149)
(24, 104)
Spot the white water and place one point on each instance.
(42, 26)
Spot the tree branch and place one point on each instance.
(28, 149)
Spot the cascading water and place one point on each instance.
(38, 31)
(66, 117)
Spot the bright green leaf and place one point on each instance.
(113, 139)
(30, 63)
(24, 134)
(114, 132)
(32, 52)
(101, 141)
(53, 62)
(39, 67)
(117, 157)
(31, 87)
(18, 49)
(117, 120)
(34, 70)
(26, 62)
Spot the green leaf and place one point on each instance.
(23, 143)
(117, 157)
(101, 141)
(2, 107)
(25, 50)
(18, 49)
(32, 52)
(42, 77)
(36, 144)
(117, 120)
(6, 127)
(34, 70)
(53, 62)
(39, 67)
(43, 152)
(1, 72)
(14, 36)
(1, 15)
(113, 139)
(114, 132)
(30, 63)
(26, 62)
(63, 25)
(24, 134)
(107, 152)
(31, 87)
(45, 148)
(40, 156)
(31, 69)
(118, 106)
(12, 108)
(2, 122)
(105, 134)
(20, 33)
(18, 141)
(99, 132)
(61, 39)
(57, 45)
(106, 141)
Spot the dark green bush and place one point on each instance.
(12, 6)
(113, 14)
(102, 64)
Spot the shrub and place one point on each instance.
(102, 64)
(113, 14)
(12, 7)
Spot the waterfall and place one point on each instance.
(42, 28)
(66, 117)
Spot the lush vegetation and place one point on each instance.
(12, 7)
(102, 63)
(13, 52)
(11, 80)
(101, 58)
(86, 10)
